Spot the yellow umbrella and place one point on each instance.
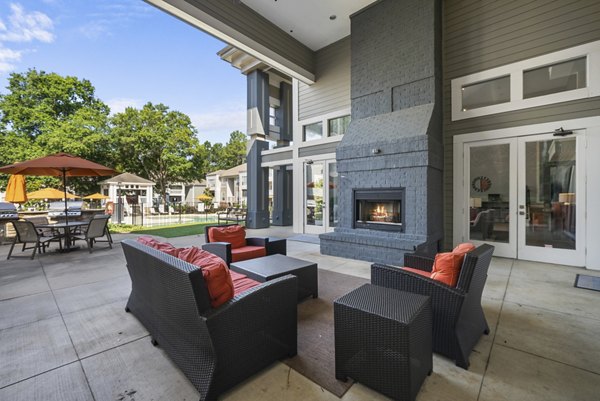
(50, 193)
(203, 197)
(15, 190)
(96, 196)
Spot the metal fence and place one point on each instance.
(163, 214)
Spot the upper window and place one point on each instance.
(314, 131)
(338, 126)
(553, 78)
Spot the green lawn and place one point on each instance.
(178, 230)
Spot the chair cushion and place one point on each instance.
(446, 267)
(463, 248)
(160, 246)
(417, 271)
(235, 235)
(241, 282)
(215, 273)
(247, 252)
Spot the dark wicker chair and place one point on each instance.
(215, 348)
(458, 318)
(223, 249)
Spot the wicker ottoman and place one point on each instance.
(383, 340)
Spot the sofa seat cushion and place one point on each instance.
(235, 235)
(247, 252)
(417, 271)
(241, 282)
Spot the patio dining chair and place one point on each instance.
(97, 228)
(26, 233)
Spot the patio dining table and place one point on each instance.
(66, 228)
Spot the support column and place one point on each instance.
(282, 196)
(258, 187)
(284, 115)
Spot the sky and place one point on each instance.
(132, 52)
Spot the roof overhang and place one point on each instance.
(209, 23)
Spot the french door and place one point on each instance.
(522, 196)
(320, 197)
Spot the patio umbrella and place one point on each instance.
(59, 165)
(203, 197)
(96, 196)
(50, 193)
(15, 190)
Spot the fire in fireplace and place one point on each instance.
(379, 209)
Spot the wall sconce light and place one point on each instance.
(376, 151)
(309, 161)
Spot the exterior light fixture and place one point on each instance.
(332, 17)
(376, 151)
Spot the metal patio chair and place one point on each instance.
(26, 233)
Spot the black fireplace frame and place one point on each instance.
(379, 194)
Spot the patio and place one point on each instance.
(65, 335)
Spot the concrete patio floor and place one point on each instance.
(64, 335)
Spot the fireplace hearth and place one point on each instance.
(379, 209)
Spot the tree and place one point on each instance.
(158, 144)
(45, 113)
(233, 153)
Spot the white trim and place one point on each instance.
(591, 125)
(515, 71)
(324, 119)
(196, 17)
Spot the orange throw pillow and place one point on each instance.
(215, 272)
(235, 235)
(463, 248)
(446, 268)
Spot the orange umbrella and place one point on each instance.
(50, 193)
(96, 196)
(62, 165)
(15, 190)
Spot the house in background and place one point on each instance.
(229, 187)
(132, 189)
(408, 124)
(186, 192)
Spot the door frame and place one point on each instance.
(325, 211)
(591, 126)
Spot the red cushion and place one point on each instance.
(241, 282)
(463, 248)
(446, 267)
(160, 246)
(215, 273)
(247, 252)
(235, 235)
(417, 271)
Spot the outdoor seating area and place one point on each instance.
(60, 296)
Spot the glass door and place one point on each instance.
(320, 197)
(551, 187)
(490, 182)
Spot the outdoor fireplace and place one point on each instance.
(378, 209)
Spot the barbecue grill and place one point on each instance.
(57, 209)
(8, 211)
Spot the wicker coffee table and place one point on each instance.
(383, 340)
(274, 266)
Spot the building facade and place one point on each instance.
(399, 124)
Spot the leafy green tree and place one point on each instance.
(158, 144)
(44, 113)
(233, 153)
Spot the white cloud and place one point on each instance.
(215, 126)
(118, 105)
(22, 27)
(26, 27)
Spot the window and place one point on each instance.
(314, 131)
(273, 115)
(555, 78)
(338, 126)
(486, 93)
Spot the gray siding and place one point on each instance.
(257, 28)
(479, 35)
(331, 91)
(318, 149)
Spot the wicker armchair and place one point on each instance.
(458, 318)
(215, 348)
